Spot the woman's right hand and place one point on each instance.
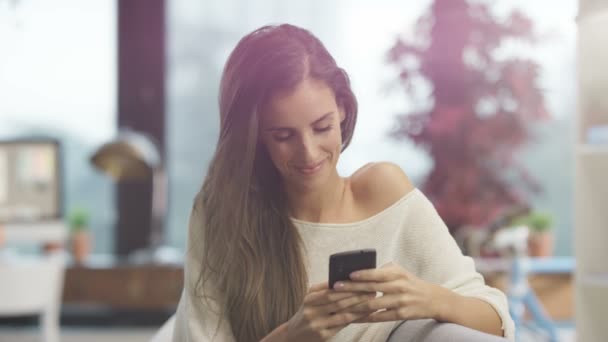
(323, 314)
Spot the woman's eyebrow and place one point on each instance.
(323, 117)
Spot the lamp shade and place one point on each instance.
(131, 156)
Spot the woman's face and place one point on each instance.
(301, 131)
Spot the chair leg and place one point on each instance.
(540, 316)
(49, 326)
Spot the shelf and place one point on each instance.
(41, 232)
(595, 280)
(550, 265)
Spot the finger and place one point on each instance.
(326, 296)
(386, 272)
(313, 298)
(334, 296)
(383, 316)
(318, 287)
(342, 319)
(387, 302)
(362, 319)
(395, 286)
(345, 303)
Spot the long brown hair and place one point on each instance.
(252, 252)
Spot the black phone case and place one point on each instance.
(341, 265)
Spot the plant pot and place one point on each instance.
(81, 246)
(540, 244)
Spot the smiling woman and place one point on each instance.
(301, 142)
(273, 208)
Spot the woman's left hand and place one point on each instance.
(404, 296)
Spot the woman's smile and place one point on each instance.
(309, 170)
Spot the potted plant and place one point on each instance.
(540, 241)
(79, 234)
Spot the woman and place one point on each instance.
(259, 241)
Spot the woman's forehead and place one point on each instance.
(308, 102)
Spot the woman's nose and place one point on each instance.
(307, 148)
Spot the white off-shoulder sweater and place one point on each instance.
(409, 233)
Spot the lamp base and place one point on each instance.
(156, 255)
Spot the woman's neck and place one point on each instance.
(318, 205)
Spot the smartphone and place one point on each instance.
(341, 265)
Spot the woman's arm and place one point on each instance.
(479, 315)
(431, 253)
(277, 335)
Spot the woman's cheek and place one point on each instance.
(281, 156)
(336, 143)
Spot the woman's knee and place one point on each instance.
(429, 330)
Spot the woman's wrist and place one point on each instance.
(442, 302)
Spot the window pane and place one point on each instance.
(58, 79)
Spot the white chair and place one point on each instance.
(165, 333)
(33, 284)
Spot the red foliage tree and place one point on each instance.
(481, 112)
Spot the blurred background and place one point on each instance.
(109, 118)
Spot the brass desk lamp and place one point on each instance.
(134, 156)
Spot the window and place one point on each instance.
(358, 34)
(58, 79)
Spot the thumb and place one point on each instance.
(318, 287)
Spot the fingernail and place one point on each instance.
(338, 285)
(355, 275)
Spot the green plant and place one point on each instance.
(79, 219)
(536, 221)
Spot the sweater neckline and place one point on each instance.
(374, 217)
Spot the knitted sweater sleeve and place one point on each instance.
(441, 260)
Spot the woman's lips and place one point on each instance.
(310, 170)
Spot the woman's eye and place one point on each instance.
(283, 137)
(286, 136)
(323, 129)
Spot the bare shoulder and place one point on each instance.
(376, 186)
